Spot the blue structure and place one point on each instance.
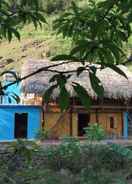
(125, 125)
(19, 121)
(12, 89)
(12, 92)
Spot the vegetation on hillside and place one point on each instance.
(43, 42)
(34, 44)
(43, 39)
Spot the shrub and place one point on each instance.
(64, 156)
(69, 162)
(43, 134)
(94, 132)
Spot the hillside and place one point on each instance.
(40, 43)
(36, 44)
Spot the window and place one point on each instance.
(83, 121)
(112, 122)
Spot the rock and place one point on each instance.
(23, 56)
(10, 60)
(2, 65)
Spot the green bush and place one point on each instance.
(64, 156)
(94, 132)
(43, 134)
(70, 162)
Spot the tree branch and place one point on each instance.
(47, 68)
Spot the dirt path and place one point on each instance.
(124, 142)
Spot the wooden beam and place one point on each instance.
(104, 107)
(43, 114)
(99, 108)
(70, 120)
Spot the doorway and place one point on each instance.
(83, 121)
(129, 128)
(21, 122)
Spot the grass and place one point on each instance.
(34, 44)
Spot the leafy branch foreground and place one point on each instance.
(98, 33)
(69, 162)
(60, 79)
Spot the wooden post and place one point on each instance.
(125, 125)
(43, 115)
(70, 120)
(70, 117)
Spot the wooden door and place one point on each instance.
(21, 123)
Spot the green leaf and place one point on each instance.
(48, 93)
(116, 69)
(93, 69)
(64, 98)
(9, 100)
(16, 33)
(62, 81)
(9, 35)
(108, 56)
(54, 78)
(82, 45)
(114, 49)
(15, 97)
(126, 152)
(82, 94)
(41, 18)
(60, 78)
(75, 8)
(96, 84)
(80, 70)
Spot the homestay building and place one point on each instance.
(17, 120)
(113, 111)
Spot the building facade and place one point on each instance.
(19, 121)
(113, 111)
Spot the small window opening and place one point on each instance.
(83, 122)
(112, 122)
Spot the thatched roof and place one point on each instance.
(115, 85)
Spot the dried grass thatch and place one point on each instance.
(115, 85)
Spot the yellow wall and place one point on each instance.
(74, 124)
(62, 128)
(92, 117)
(118, 124)
(59, 124)
(104, 120)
